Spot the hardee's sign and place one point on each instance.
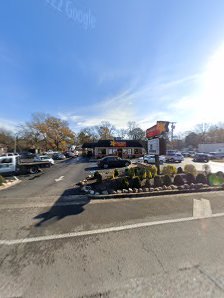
(158, 129)
(118, 144)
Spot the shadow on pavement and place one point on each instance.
(89, 169)
(63, 207)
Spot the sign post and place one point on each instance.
(156, 143)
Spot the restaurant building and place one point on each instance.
(124, 148)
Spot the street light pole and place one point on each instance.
(15, 143)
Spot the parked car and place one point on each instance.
(216, 155)
(151, 159)
(69, 154)
(192, 153)
(43, 158)
(13, 165)
(27, 155)
(176, 157)
(58, 156)
(201, 157)
(10, 154)
(113, 161)
(76, 152)
(186, 154)
(50, 152)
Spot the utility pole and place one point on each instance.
(15, 144)
(172, 129)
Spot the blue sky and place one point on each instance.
(129, 60)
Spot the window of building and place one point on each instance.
(129, 151)
(138, 151)
(110, 151)
(102, 151)
(125, 151)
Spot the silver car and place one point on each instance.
(151, 159)
(176, 157)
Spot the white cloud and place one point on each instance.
(68, 116)
(144, 104)
(187, 100)
(9, 125)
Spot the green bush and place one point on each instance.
(157, 181)
(142, 173)
(98, 177)
(206, 169)
(220, 174)
(201, 179)
(178, 180)
(167, 180)
(124, 183)
(153, 170)
(116, 173)
(190, 178)
(147, 183)
(215, 180)
(127, 171)
(148, 174)
(136, 171)
(169, 170)
(2, 180)
(180, 170)
(131, 173)
(190, 169)
(136, 182)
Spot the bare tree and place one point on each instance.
(87, 135)
(122, 133)
(46, 132)
(105, 130)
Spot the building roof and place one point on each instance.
(112, 143)
(89, 145)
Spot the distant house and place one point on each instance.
(215, 147)
(121, 148)
(3, 149)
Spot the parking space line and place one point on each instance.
(102, 231)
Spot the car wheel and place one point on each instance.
(126, 164)
(33, 170)
(161, 162)
(171, 160)
(105, 166)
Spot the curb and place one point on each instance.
(152, 194)
(17, 181)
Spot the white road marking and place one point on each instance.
(102, 231)
(59, 179)
(202, 208)
(41, 205)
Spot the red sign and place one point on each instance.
(158, 129)
(118, 144)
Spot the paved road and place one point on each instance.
(215, 166)
(70, 247)
(58, 180)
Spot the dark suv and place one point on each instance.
(113, 162)
(201, 157)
